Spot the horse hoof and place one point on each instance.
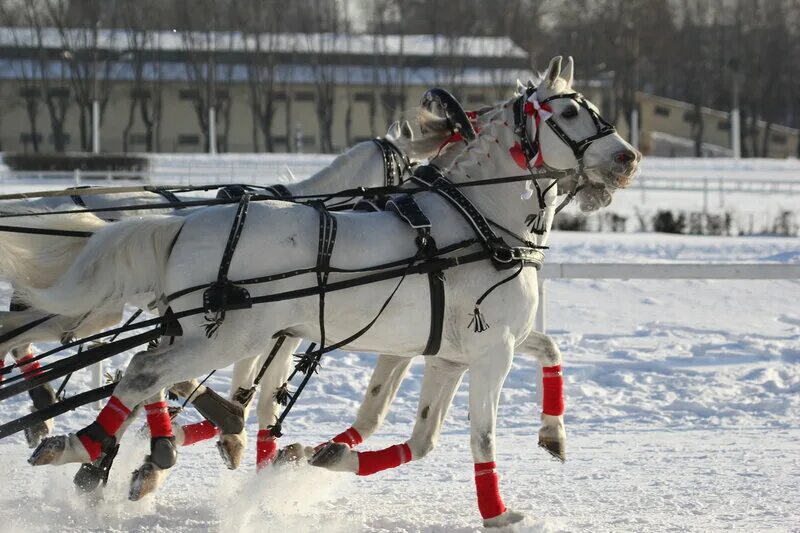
(335, 456)
(88, 478)
(145, 480)
(291, 454)
(49, 451)
(37, 432)
(231, 449)
(556, 448)
(502, 520)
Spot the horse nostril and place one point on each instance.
(625, 157)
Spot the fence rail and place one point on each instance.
(625, 271)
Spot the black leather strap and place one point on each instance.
(167, 195)
(278, 191)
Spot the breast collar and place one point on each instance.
(500, 252)
(395, 163)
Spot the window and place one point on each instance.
(366, 98)
(188, 140)
(64, 136)
(138, 138)
(58, 92)
(391, 101)
(661, 111)
(30, 92)
(779, 138)
(475, 98)
(279, 96)
(357, 140)
(724, 125)
(142, 94)
(689, 116)
(309, 141)
(304, 96)
(222, 94)
(27, 138)
(188, 94)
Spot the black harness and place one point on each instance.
(395, 163)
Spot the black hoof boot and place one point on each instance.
(329, 455)
(555, 448)
(163, 452)
(91, 475)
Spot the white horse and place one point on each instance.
(359, 166)
(282, 237)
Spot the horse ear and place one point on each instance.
(520, 87)
(394, 131)
(406, 131)
(568, 72)
(553, 70)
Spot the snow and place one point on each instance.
(683, 405)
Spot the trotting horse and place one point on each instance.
(567, 133)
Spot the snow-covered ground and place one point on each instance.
(683, 413)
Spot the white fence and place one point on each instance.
(624, 271)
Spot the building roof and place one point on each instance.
(312, 43)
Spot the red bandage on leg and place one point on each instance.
(158, 419)
(266, 448)
(391, 457)
(490, 503)
(552, 391)
(351, 437)
(110, 419)
(30, 370)
(199, 432)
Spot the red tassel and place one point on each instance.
(371, 462)
(198, 432)
(30, 370)
(552, 391)
(110, 419)
(266, 448)
(487, 486)
(351, 437)
(158, 419)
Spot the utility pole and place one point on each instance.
(212, 96)
(95, 102)
(736, 136)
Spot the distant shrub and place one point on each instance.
(666, 222)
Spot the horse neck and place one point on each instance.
(362, 165)
(489, 157)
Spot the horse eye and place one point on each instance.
(570, 112)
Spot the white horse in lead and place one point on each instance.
(281, 237)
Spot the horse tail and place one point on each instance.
(37, 260)
(120, 263)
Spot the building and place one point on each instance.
(667, 129)
(355, 84)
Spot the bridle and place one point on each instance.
(529, 153)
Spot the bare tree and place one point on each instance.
(30, 92)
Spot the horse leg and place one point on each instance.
(486, 380)
(552, 436)
(90, 475)
(163, 451)
(383, 385)
(438, 388)
(231, 446)
(22, 350)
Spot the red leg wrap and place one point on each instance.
(490, 503)
(2, 366)
(552, 391)
(30, 370)
(351, 437)
(199, 432)
(110, 419)
(266, 448)
(391, 457)
(158, 419)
